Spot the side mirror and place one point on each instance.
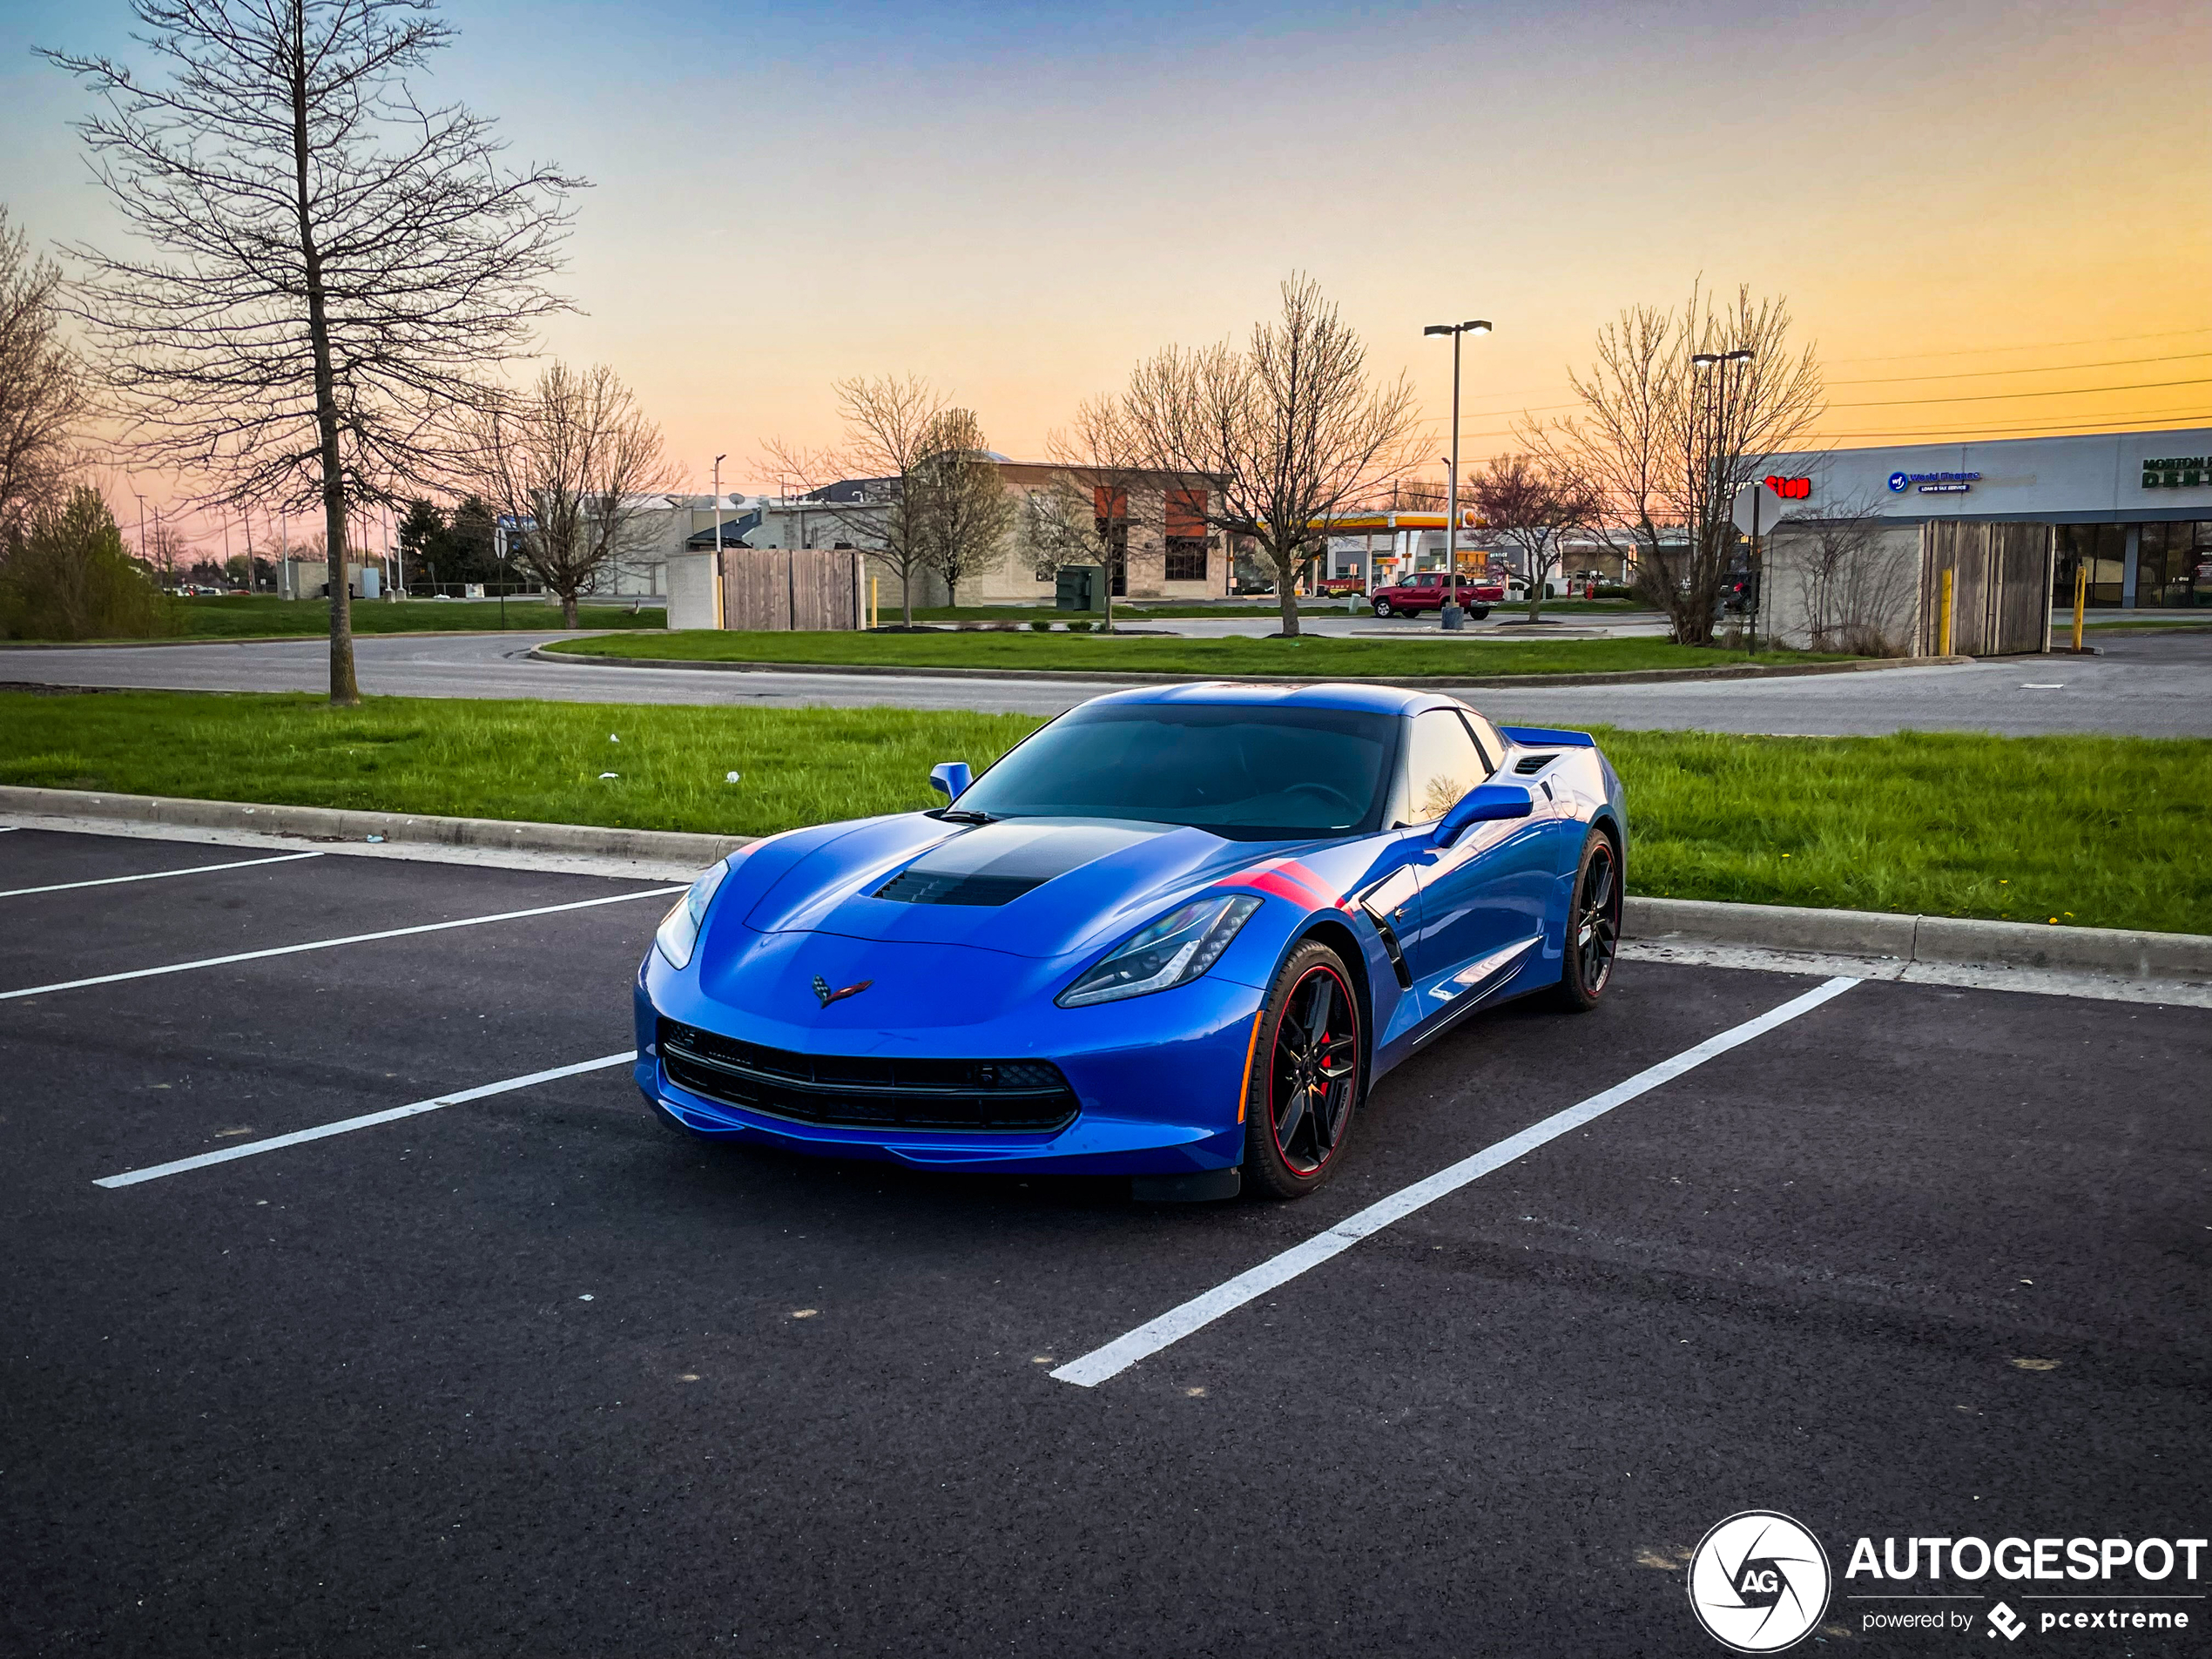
(951, 778)
(1483, 803)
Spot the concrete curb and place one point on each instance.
(339, 824)
(1133, 676)
(1952, 940)
(1960, 939)
(293, 639)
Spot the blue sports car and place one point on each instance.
(1175, 935)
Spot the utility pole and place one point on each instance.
(715, 586)
(1450, 616)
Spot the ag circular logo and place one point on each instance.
(1897, 482)
(1758, 1582)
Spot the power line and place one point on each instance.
(2143, 423)
(2042, 368)
(2037, 345)
(1997, 397)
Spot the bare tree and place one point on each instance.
(1531, 502)
(575, 464)
(42, 390)
(1681, 411)
(1101, 497)
(1286, 433)
(1855, 578)
(888, 422)
(958, 505)
(338, 268)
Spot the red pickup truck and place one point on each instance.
(1426, 590)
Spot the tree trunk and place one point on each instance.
(344, 689)
(1536, 593)
(906, 595)
(568, 610)
(1286, 592)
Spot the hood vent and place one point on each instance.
(925, 887)
(1530, 765)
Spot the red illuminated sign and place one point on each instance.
(1791, 488)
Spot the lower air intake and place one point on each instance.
(1027, 1097)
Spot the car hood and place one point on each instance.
(1032, 887)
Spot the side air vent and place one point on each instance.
(1530, 764)
(920, 887)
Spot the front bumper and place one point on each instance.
(1157, 1079)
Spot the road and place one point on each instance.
(2141, 684)
(528, 1375)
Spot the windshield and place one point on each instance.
(1251, 774)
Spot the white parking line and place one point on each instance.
(1118, 1356)
(332, 944)
(347, 1125)
(156, 875)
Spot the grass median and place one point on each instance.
(263, 618)
(1109, 653)
(2086, 831)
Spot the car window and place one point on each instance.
(1441, 765)
(1242, 771)
(1491, 741)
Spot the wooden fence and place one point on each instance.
(2000, 588)
(784, 590)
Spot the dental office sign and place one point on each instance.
(2177, 472)
(1934, 483)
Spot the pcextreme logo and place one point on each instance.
(1758, 1582)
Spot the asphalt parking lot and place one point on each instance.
(528, 1375)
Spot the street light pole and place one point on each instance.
(715, 586)
(1450, 616)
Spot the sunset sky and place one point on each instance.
(1019, 201)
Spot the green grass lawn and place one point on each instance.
(2103, 831)
(1141, 608)
(1068, 653)
(262, 617)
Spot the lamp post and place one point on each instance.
(715, 586)
(1715, 475)
(1450, 616)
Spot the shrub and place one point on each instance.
(1078, 627)
(1041, 627)
(64, 575)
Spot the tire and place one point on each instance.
(1299, 1111)
(1478, 611)
(1593, 924)
(1382, 607)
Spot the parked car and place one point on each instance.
(1426, 590)
(1340, 587)
(1176, 936)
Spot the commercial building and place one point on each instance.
(2134, 508)
(1170, 551)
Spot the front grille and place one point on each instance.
(920, 887)
(869, 1091)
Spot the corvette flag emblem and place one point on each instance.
(825, 996)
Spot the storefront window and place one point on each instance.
(2174, 565)
(2103, 548)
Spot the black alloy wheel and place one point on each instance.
(1307, 1076)
(1593, 924)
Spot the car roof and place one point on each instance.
(1376, 699)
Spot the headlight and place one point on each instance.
(678, 933)
(1172, 951)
